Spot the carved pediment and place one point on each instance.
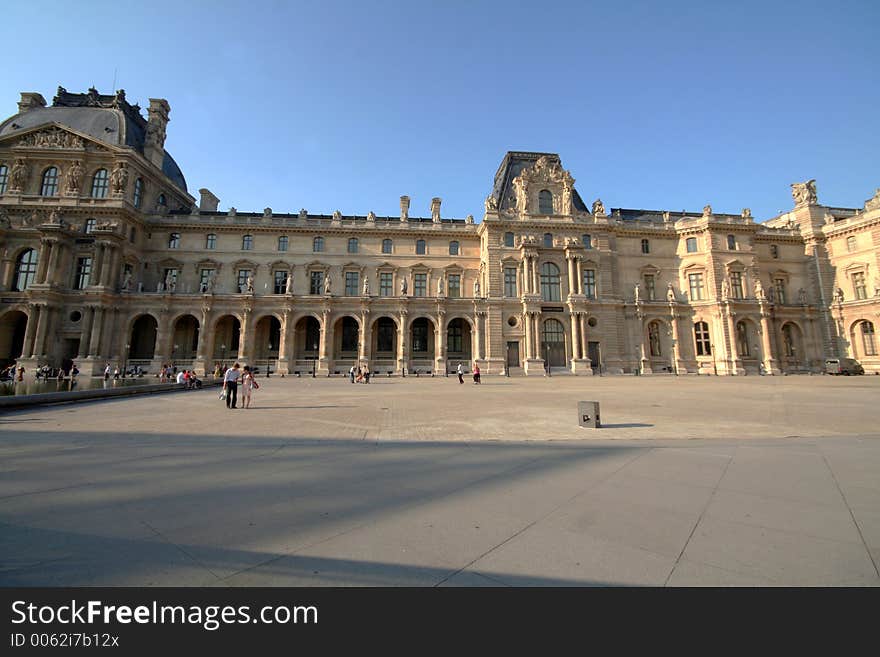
(52, 137)
(245, 264)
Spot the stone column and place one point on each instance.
(527, 323)
(579, 265)
(95, 338)
(585, 352)
(7, 273)
(52, 274)
(735, 364)
(440, 345)
(362, 339)
(536, 284)
(110, 261)
(644, 363)
(98, 264)
(283, 367)
(575, 338)
(43, 260)
(676, 344)
(323, 364)
(368, 338)
(475, 338)
(243, 337)
(770, 365)
(86, 332)
(32, 332)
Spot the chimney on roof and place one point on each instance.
(157, 122)
(435, 209)
(208, 202)
(30, 100)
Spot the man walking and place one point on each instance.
(460, 373)
(230, 383)
(351, 374)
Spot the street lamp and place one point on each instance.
(223, 356)
(268, 359)
(314, 358)
(125, 359)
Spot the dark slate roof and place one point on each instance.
(108, 119)
(511, 166)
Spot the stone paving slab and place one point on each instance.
(420, 483)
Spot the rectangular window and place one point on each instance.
(691, 243)
(736, 285)
(774, 251)
(590, 283)
(247, 242)
(280, 282)
(701, 337)
(204, 277)
(316, 282)
(420, 285)
(351, 283)
(241, 281)
(779, 286)
(282, 243)
(649, 287)
(83, 273)
(851, 244)
(4, 176)
(454, 285)
(386, 284)
(696, 284)
(211, 242)
(174, 241)
(510, 281)
(858, 279)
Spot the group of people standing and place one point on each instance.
(357, 375)
(460, 372)
(231, 379)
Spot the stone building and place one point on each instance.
(107, 257)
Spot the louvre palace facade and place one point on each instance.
(107, 257)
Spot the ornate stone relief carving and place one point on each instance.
(119, 179)
(52, 138)
(804, 193)
(73, 177)
(18, 175)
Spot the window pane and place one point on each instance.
(25, 270)
(420, 335)
(420, 247)
(454, 285)
(4, 177)
(351, 283)
(420, 285)
(696, 285)
(385, 284)
(247, 243)
(508, 239)
(548, 240)
(731, 242)
(174, 240)
(386, 246)
(99, 184)
(510, 281)
(590, 283)
(318, 244)
(211, 241)
(280, 282)
(736, 285)
(49, 185)
(282, 243)
(83, 273)
(587, 241)
(316, 282)
(453, 248)
(646, 246)
(243, 275)
(138, 192)
(545, 202)
(691, 244)
(550, 282)
(353, 245)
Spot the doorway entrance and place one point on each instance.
(595, 355)
(513, 354)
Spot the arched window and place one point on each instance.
(387, 245)
(90, 225)
(587, 241)
(731, 242)
(25, 270)
(247, 242)
(550, 282)
(49, 186)
(701, 337)
(453, 248)
(646, 246)
(318, 244)
(4, 177)
(508, 239)
(161, 201)
(420, 247)
(174, 241)
(419, 340)
(548, 240)
(210, 241)
(353, 245)
(654, 339)
(138, 192)
(868, 338)
(545, 202)
(99, 184)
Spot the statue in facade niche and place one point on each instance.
(637, 293)
(366, 290)
(759, 289)
(598, 207)
(476, 288)
(18, 175)
(403, 286)
(522, 200)
(288, 285)
(249, 284)
(126, 281)
(440, 287)
(73, 179)
(725, 289)
(119, 178)
(211, 283)
(802, 297)
(327, 284)
(670, 293)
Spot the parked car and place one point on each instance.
(845, 366)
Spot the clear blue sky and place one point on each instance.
(329, 105)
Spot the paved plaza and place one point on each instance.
(425, 482)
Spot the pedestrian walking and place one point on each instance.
(248, 384)
(116, 373)
(460, 372)
(230, 385)
(366, 375)
(476, 373)
(351, 373)
(107, 372)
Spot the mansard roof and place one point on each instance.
(511, 166)
(105, 118)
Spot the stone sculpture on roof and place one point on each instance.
(804, 193)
